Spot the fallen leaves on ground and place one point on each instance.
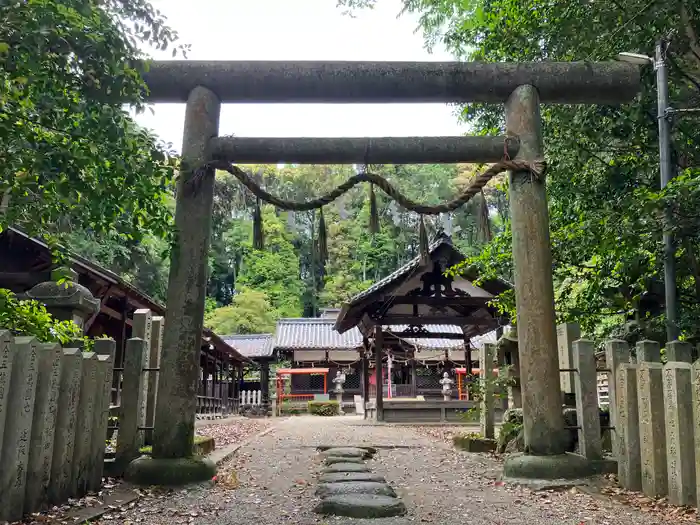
(232, 431)
(644, 503)
(439, 433)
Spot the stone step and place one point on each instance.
(324, 490)
(345, 467)
(361, 506)
(341, 477)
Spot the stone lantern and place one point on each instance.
(67, 301)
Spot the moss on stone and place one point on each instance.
(474, 443)
(200, 443)
(557, 467)
(170, 472)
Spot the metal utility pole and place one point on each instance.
(663, 117)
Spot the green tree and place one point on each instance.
(70, 155)
(249, 313)
(603, 163)
(275, 270)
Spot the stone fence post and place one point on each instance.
(43, 427)
(586, 390)
(567, 333)
(617, 352)
(143, 329)
(486, 354)
(129, 436)
(695, 378)
(7, 354)
(652, 425)
(105, 350)
(678, 402)
(627, 442)
(157, 327)
(14, 457)
(83, 461)
(64, 440)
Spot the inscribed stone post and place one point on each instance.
(695, 371)
(616, 352)
(64, 435)
(129, 437)
(567, 333)
(486, 405)
(679, 351)
(678, 400)
(83, 461)
(628, 451)
(157, 326)
(142, 329)
(586, 389)
(43, 427)
(652, 426)
(105, 350)
(18, 429)
(7, 352)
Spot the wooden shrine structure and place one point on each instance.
(26, 261)
(416, 302)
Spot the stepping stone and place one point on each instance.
(371, 450)
(361, 506)
(332, 460)
(341, 477)
(324, 490)
(347, 452)
(345, 467)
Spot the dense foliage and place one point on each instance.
(71, 158)
(30, 318)
(324, 408)
(603, 178)
(287, 278)
(75, 166)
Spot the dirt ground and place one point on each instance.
(272, 480)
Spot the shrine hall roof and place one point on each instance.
(252, 345)
(320, 334)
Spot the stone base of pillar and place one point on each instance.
(549, 471)
(146, 471)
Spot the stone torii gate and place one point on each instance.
(522, 87)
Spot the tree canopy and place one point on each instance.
(76, 167)
(603, 174)
(71, 157)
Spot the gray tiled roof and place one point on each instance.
(253, 345)
(314, 334)
(432, 344)
(320, 334)
(403, 270)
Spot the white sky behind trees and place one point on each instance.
(301, 30)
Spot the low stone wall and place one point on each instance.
(432, 411)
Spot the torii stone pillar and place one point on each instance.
(543, 420)
(173, 435)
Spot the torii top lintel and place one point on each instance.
(392, 82)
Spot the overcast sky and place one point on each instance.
(302, 30)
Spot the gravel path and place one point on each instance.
(273, 481)
(231, 430)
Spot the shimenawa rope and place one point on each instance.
(536, 168)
